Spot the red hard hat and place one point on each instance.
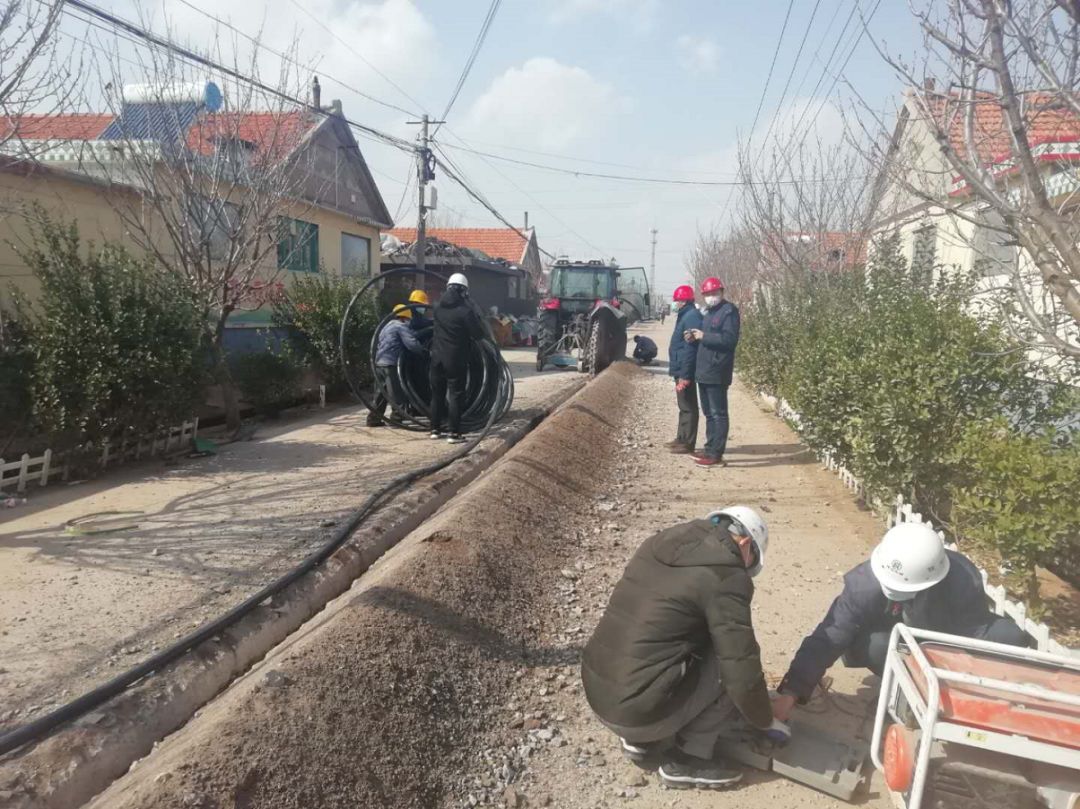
(711, 284)
(685, 292)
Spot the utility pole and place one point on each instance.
(652, 267)
(425, 172)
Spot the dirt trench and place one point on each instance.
(384, 700)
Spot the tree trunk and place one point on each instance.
(223, 377)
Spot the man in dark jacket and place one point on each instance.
(457, 328)
(645, 350)
(910, 577)
(682, 358)
(674, 657)
(718, 336)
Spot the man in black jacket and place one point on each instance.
(674, 657)
(910, 577)
(644, 349)
(682, 359)
(718, 336)
(457, 328)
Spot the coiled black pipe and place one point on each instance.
(489, 385)
(501, 397)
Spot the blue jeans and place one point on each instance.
(714, 405)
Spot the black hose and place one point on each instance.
(39, 728)
(489, 382)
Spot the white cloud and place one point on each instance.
(639, 12)
(697, 54)
(543, 104)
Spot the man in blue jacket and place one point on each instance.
(717, 338)
(681, 359)
(910, 577)
(396, 337)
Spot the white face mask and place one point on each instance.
(712, 300)
(896, 595)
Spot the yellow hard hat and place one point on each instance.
(402, 311)
(419, 296)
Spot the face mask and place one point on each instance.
(712, 300)
(897, 595)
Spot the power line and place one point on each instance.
(258, 44)
(492, 11)
(772, 65)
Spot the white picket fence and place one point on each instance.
(902, 511)
(50, 466)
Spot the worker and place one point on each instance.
(718, 336)
(682, 357)
(644, 349)
(420, 304)
(674, 658)
(457, 328)
(911, 577)
(396, 336)
(663, 314)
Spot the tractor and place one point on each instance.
(585, 313)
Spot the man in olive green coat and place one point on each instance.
(674, 657)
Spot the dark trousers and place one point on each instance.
(388, 389)
(714, 405)
(870, 650)
(446, 390)
(688, 415)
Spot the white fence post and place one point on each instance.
(46, 466)
(24, 468)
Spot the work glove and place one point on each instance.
(778, 732)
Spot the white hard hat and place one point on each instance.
(752, 525)
(910, 557)
(459, 279)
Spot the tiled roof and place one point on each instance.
(501, 243)
(819, 251)
(77, 126)
(1047, 122)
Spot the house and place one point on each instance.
(85, 168)
(944, 226)
(817, 251)
(502, 264)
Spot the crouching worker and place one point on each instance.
(674, 658)
(644, 349)
(396, 336)
(909, 577)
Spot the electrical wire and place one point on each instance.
(493, 9)
(772, 66)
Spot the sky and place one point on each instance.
(633, 87)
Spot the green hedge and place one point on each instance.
(899, 381)
(115, 343)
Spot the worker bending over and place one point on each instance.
(644, 349)
(457, 328)
(674, 658)
(911, 577)
(396, 336)
(420, 305)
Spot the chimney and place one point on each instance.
(526, 220)
(929, 84)
(316, 93)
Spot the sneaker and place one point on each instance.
(681, 449)
(436, 435)
(455, 438)
(707, 460)
(635, 753)
(687, 772)
(675, 443)
(375, 422)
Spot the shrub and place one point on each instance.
(16, 376)
(313, 308)
(1018, 496)
(115, 342)
(268, 381)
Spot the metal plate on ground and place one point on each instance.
(823, 762)
(744, 745)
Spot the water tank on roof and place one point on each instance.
(205, 95)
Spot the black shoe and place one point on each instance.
(375, 422)
(683, 771)
(455, 438)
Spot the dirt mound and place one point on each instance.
(383, 702)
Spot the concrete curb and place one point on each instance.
(83, 758)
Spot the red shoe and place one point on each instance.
(706, 460)
(697, 453)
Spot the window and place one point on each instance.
(298, 245)
(355, 255)
(924, 254)
(991, 253)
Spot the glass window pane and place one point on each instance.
(355, 255)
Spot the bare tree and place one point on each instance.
(997, 87)
(214, 182)
(732, 257)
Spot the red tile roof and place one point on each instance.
(1048, 121)
(77, 126)
(820, 251)
(501, 243)
(271, 134)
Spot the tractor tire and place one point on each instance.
(547, 336)
(593, 358)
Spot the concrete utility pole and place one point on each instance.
(652, 267)
(425, 173)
